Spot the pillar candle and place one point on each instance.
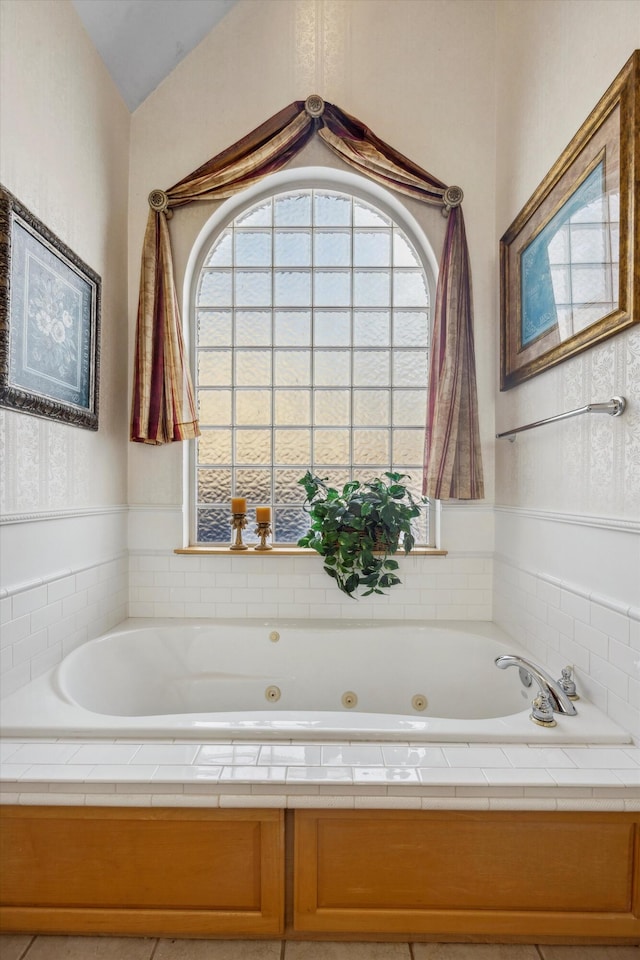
(263, 514)
(238, 505)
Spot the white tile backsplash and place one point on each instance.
(27, 600)
(44, 621)
(60, 588)
(288, 586)
(566, 625)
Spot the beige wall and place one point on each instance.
(64, 152)
(388, 63)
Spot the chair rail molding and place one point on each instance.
(64, 514)
(620, 524)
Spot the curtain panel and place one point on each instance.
(163, 404)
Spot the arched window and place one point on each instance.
(311, 321)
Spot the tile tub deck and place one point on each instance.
(286, 774)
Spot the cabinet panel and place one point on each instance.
(389, 871)
(486, 865)
(225, 865)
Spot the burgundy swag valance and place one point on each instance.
(163, 408)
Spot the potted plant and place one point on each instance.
(358, 529)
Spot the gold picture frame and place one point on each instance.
(570, 261)
(49, 322)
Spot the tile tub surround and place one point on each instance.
(316, 775)
(165, 584)
(560, 623)
(42, 621)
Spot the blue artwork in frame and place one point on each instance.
(49, 322)
(539, 295)
(569, 262)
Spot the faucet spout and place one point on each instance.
(548, 686)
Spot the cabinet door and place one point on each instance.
(466, 873)
(71, 869)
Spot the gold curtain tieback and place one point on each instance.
(314, 105)
(452, 197)
(159, 201)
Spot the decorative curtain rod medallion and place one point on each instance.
(314, 105)
(158, 201)
(453, 197)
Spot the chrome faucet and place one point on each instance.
(559, 700)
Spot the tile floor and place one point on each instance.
(125, 948)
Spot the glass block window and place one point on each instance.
(311, 345)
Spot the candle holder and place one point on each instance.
(263, 530)
(238, 523)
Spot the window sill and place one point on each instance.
(286, 550)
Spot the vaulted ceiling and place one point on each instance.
(141, 41)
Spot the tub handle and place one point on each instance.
(560, 702)
(542, 711)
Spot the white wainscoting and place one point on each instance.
(37, 545)
(568, 589)
(64, 580)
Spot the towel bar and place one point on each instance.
(613, 407)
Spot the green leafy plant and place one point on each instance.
(356, 530)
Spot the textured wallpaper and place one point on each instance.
(45, 466)
(586, 465)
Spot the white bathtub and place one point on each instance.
(293, 679)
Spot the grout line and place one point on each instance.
(153, 951)
(27, 948)
(282, 948)
(411, 953)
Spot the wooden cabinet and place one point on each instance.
(477, 875)
(144, 871)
